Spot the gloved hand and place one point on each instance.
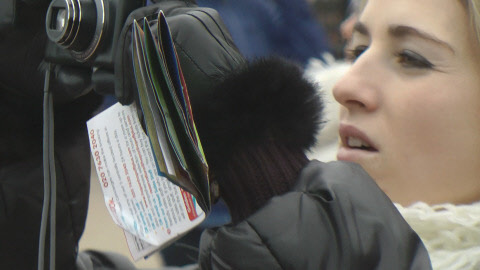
(204, 46)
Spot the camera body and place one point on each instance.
(85, 32)
(80, 37)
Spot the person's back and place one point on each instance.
(289, 212)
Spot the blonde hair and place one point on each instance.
(472, 6)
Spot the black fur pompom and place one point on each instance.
(267, 100)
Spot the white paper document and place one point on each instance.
(152, 211)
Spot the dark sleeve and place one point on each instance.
(235, 247)
(368, 226)
(336, 218)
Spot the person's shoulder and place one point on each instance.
(334, 205)
(237, 246)
(344, 184)
(334, 174)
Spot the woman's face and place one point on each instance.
(411, 100)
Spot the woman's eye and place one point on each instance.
(411, 59)
(353, 54)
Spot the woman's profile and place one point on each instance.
(410, 117)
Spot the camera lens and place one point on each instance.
(76, 25)
(59, 23)
(60, 20)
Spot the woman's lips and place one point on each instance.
(354, 143)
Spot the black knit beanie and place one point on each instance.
(255, 127)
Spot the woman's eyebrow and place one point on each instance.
(400, 31)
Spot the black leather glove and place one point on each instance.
(204, 45)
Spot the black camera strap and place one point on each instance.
(50, 184)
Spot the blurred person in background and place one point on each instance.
(289, 212)
(346, 27)
(286, 28)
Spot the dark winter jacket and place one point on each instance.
(334, 218)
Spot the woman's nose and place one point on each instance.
(358, 88)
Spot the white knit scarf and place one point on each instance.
(451, 233)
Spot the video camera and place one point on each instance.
(82, 37)
(86, 31)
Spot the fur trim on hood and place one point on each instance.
(267, 100)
